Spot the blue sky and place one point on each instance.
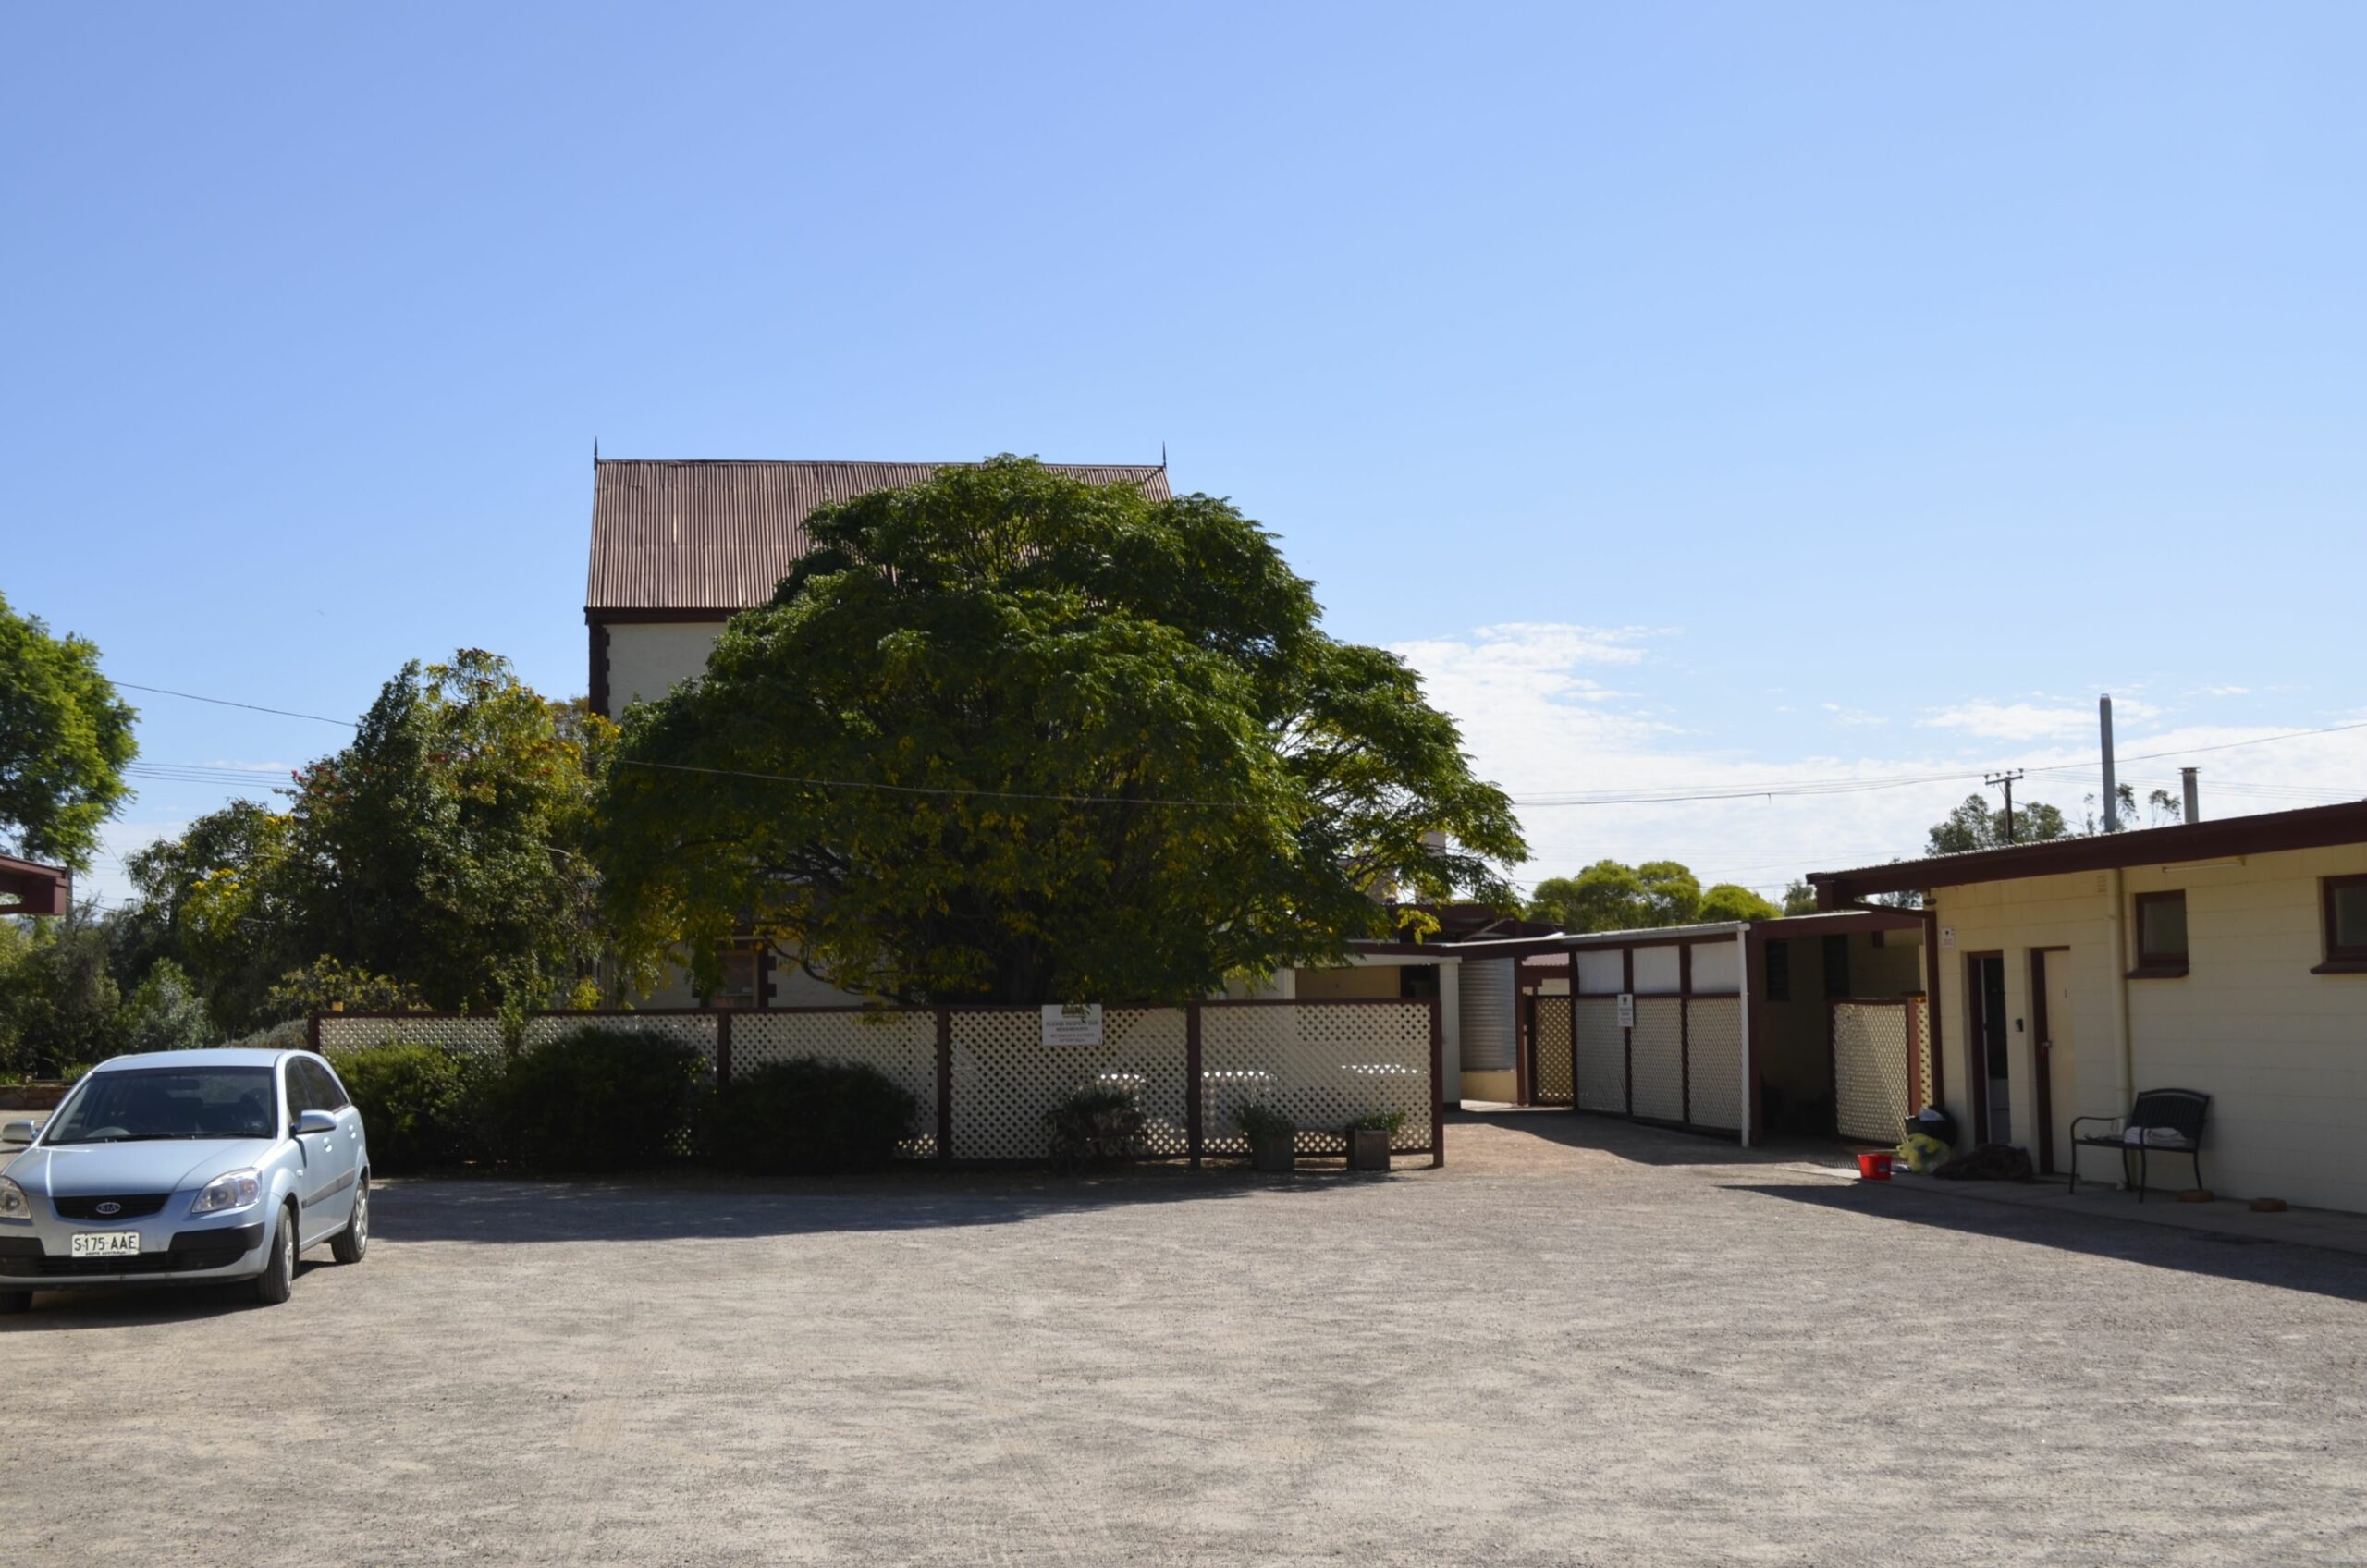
(1709, 394)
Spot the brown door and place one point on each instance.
(1992, 1100)
(2056, 1091)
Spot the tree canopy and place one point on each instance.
(1612, 896)
(1009, 736)
(65, 740)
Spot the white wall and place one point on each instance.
(650, 659)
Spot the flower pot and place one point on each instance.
(1273, 1151)
(1368, 1148)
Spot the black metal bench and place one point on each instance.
(2181, 1110)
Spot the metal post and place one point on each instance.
(2192, 789)
(2111, 785)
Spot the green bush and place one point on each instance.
(808, 1117)
(1387, 1121)
(1258, 1120)
(1094, 1126)
(597, 1099)
(419, 1103)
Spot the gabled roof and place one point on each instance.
(2265, 833)
(717, 536)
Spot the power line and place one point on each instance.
(226, 703)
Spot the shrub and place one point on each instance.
(809, 1116)
(1387, 1121)
(419, 1103)
(1257, 1119)
(597, 1099)
(1093, 1126)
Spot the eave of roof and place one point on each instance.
(34, 889)
(2265, 833)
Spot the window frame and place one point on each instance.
(2153, 965)
(2338, 957)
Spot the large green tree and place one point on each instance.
(65, 740)
(440, 857)
(1614, 895)
(1009, 736)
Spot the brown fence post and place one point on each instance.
(945, 1083)
(1195, 1136)
(722, 1046)
(1685, 1032)
(1437, 1088)
(313, 1033)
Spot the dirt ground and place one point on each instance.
(1580, 1342)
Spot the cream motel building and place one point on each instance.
(2228, 957)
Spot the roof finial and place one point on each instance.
(1162, 456)
(596, 451)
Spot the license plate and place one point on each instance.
(107, 1243)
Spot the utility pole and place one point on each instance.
(2007, 780)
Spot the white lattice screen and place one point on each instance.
(1005, 1078)
(1323, 1067)
(1713, 1053)
(1549, 1053)
(900, 1044)
(1658, 1058)
(476, 1035)
(1603, 1055)
(1869, 1070)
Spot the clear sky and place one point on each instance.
(1702, 395)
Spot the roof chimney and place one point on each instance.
(2193, 792)
(2111, 785)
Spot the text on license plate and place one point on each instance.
(107, 1243)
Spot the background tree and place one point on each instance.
(1799, 898)
(1973, 825)
(65, 740)
(59, 1005)
(1726, 900)
(1080, 744)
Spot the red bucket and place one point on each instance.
(1873, 1167)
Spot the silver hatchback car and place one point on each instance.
(185, 1168)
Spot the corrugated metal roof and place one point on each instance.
(718, 535)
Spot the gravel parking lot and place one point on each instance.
(1579, 1342)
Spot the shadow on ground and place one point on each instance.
(2289, 1265)
(1634, 1141)
(508, 1212)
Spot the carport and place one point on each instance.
(1732, 1030)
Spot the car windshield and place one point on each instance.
(167, 1102)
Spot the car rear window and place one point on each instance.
(131, 1104)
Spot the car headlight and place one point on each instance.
(12, 1201)
(235, 1190)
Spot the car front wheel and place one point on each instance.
(348, 1244)
(277, 1282)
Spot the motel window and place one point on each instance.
(2345, 925)
(2161, 933)
(1779, 971)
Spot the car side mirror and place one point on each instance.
(314, 1121)
(16, 1134)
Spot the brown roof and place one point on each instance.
(2264, 833)
(29, 888)
(694, 536)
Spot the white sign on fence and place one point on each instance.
(1074, 1024)
(1626, 1010)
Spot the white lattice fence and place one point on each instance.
(1603, 1055)
(1713, 1054)
(1548, 1081)
(901, 1044)
(1005, 1078)
(1321, 1066)
(472, 1036)
(1871, 1081)
(697, 1031)
(1658, 1058)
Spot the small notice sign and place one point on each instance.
(1626, 1010)
(1947, 938)
(1073, 1023)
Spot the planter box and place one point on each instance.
(1368, 1148)
(1275, 1151)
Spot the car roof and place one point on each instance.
(224, 1055)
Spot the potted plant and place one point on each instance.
(1273, 1137)
(1369, 1137)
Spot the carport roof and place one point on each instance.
(2264, 833)
(29, 888)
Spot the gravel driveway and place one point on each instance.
(1579, 1342)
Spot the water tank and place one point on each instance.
(1489, 1039)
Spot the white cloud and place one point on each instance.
(1854, 718)
(2031, 721)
